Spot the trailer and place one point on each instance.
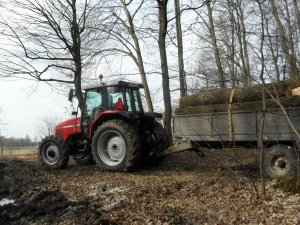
(242, 129)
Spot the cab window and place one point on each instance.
(93, 103)
(136, 100)
(116, 93)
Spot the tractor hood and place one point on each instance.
(68, 127)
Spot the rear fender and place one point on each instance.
(153, 115)
(149, 118)
(109, 115)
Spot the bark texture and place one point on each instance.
(246, 94)
(247, 98)
(293, 101)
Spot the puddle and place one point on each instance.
(6, 201)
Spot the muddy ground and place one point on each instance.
(183, 190)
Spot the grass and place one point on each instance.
(19, 153)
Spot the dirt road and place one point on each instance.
(183, 190)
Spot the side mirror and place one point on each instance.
(71, 95)
(74, 113)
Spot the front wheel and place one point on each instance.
(116, 146)
(280, 160)
(53, 153)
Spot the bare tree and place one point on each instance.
(182, 80)
(297, 13)
(163, 29)
(47, 125)
(215, 46)
(124, 36)
(262, 79)
(47, 41)
(286, 40)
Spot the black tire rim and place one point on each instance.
(280, 165)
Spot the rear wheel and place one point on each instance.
(116, 146)
(158, 141)
(280, 160)
(53, 153)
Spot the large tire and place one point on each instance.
(53, 153)
(116, 146)
(159, 143)
(280, 160)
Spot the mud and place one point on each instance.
(183, 190)
(25, 182)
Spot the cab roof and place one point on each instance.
(113, 83)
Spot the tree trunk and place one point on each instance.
(163, 23)
(246, 94)
(215, 46)
(76, 53)
(182, 80)
(290, 58)
(262, 122)
(293, 101)
(290, 32)
(297, 13)
(139, 62)
(241, 33)
(245, 46)
(273, 53)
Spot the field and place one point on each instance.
(185, 189)
(24, 153)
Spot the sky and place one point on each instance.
(25, 105)
(24, 108)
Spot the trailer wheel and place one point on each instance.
(159, 143)
(280, 160)
(53, 153)
(116, 146)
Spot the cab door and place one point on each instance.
(93, 106)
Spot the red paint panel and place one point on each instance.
(67, 128)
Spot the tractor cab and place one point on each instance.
(120, 96)
(104, 101)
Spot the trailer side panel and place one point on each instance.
(238, 126)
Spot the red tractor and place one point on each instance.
(113, 130)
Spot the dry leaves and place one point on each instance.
(184, 190)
